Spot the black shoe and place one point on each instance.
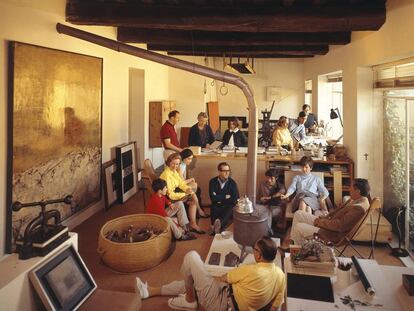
(187, 237)
(197, 231)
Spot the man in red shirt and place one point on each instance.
(159, 204)
(169, 136)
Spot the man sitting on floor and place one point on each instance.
(251, 286)
(337, 223)
(223, 193)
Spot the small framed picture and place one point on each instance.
(63, 282)
(126, 175)
(109, 178)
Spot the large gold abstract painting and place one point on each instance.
(54, 132)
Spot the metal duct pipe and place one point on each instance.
(194, 68)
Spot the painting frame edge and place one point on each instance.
(106, 166)
(10, 111)
(9, 178)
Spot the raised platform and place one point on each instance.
(224, 246)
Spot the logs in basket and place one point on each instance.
(138, 256)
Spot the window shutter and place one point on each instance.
(395, 74)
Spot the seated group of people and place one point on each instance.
(253, 286)
(173, 190)
(309, 204)
(263, 284)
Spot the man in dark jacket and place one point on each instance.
(223, 193)
(201, 133)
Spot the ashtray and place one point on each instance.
(226, 234)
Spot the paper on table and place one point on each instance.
(357, 292)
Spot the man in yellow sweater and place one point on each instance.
(249, 287)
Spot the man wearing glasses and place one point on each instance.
(223, 193)
(245, 288)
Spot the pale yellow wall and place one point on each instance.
(362, 113)
(187, 89)
(286, 74)
(34, 22)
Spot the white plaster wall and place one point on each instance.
(34, 22)
(286, 74)
(362, 127)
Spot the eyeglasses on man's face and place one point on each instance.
(226, 171)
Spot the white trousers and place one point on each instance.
(210, 293)
(302, 226)
(181, 214)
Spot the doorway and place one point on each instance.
(136, 116)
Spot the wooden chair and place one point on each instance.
(346, 240)
(149, 175)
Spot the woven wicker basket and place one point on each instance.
(131, 257)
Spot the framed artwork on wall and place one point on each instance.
(109, 178)
(54, 131)
(126, 171)
(63, 282)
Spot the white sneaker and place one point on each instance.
(180, 303)
(141, 288)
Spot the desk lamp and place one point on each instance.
(335, 114)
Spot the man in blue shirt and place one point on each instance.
(297, 127)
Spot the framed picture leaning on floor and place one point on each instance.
(109, 179)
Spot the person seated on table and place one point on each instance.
(233, 136)
(310, 190)
(178, 190)
(247, 287)
(158, 204)
(337, 223)
(311, 119)
(186, 159)
(281, 135)
(297, 127)
(270, 191)
(223, 193)
(201, 133)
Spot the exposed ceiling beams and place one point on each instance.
(211, 27)
(289, 50)
(185, 37)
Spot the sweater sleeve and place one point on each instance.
(212, 191)
(243, 139)
(171, 181)
(292, 187)
(345, 222)
(323, 192)
(192, 137)
(226, 137)
(210, 136)
(276, 138)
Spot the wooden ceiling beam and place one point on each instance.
(186, 37)
(210, 54)
(361, 15)
(291, 50)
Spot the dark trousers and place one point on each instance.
(222, 212)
